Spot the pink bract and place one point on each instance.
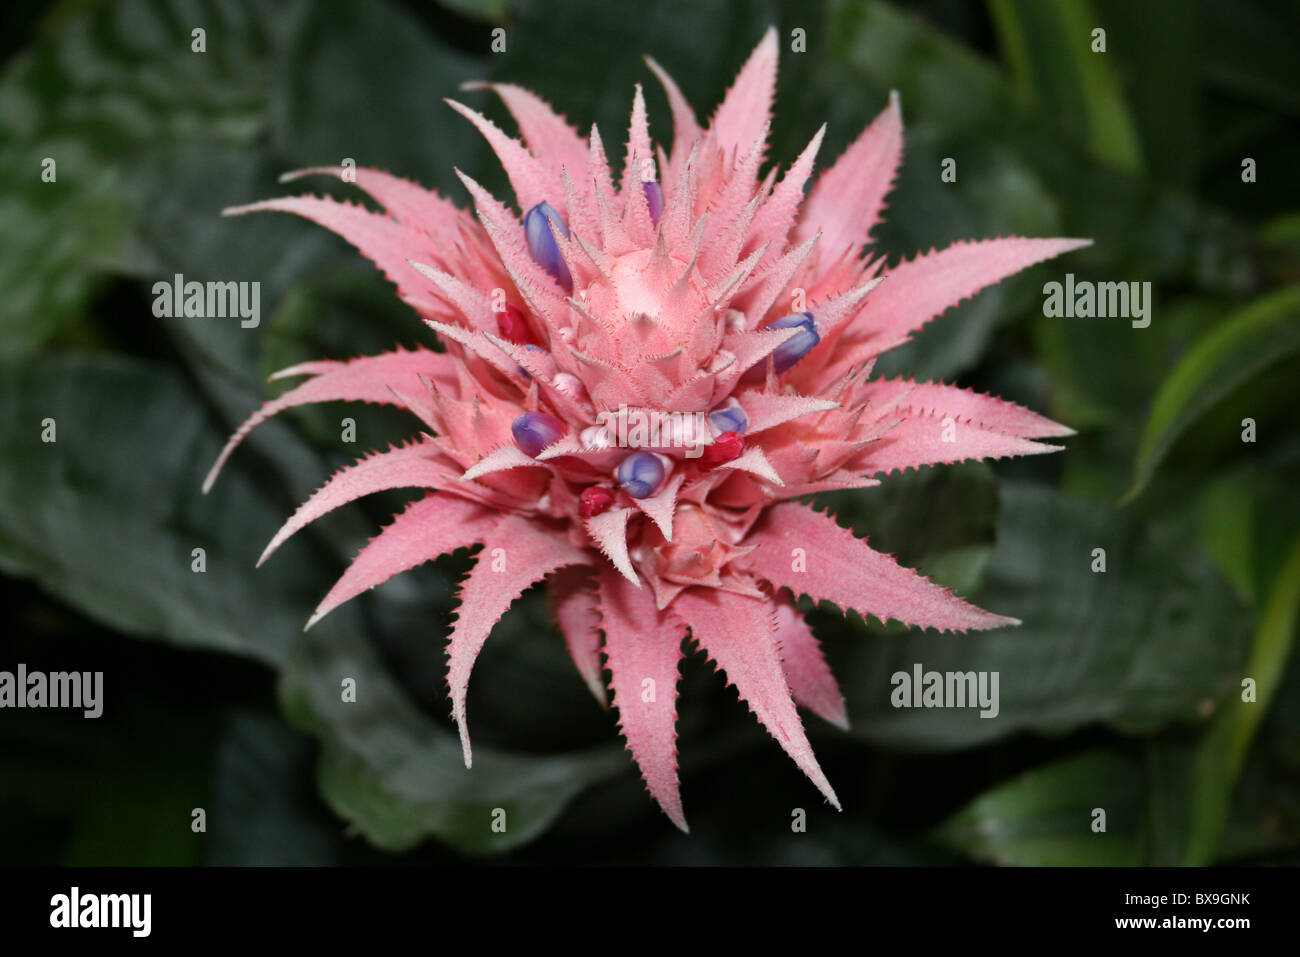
(667, 312)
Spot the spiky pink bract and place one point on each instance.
(674, 289)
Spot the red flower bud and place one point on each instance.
(594, 500)
(513, 325)
(727, 447)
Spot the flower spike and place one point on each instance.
(622, 407)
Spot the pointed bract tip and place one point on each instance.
(425, 270)
(473, 85)
(294, 175)
(818, 778)
(988, 623)
(469, 182)
(466, 751)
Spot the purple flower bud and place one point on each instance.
(789, 352)
(534, 431)
(654, 197)
(730, 418)
(540, 224)
(641, 474)
(797, 346)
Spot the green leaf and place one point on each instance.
(1103, 373)
(181, 231)
(918, 515)
(1136, 648)
(996, 194)
(365, 81)
(1160, 80)
(1244, 344)
(1140, 229)
(1049, 46)
(1223, 751)
(113, 82)
(340, 314)
(107, 516)
(264, 809)
(491, 10)
(397, 774)
(1282, 231)
(1263, 821)
(1045, 816)
(1226, 515)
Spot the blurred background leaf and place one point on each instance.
(399, 777)
(1048, 816)
(1056, 52)
(1135, 647)
(76, 515)
(1242, 345)
(1223, 751)
(108, 85)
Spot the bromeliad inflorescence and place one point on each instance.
(666, 292)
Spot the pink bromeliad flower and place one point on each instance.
(694, 284)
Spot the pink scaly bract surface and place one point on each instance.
(669, 315)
